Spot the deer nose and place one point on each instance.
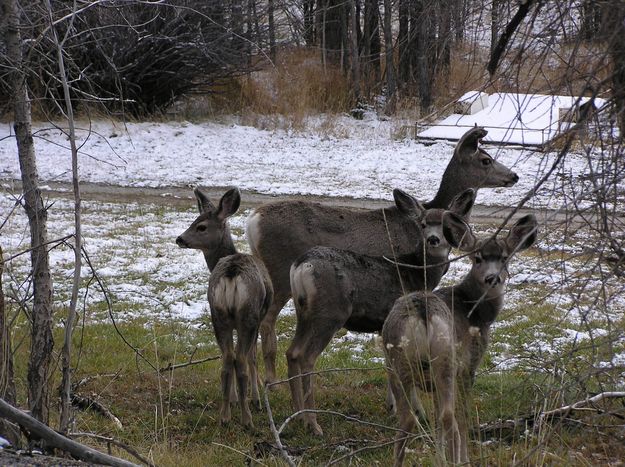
(493, 280)
(433, 240)
(515, 177)
(181, 243)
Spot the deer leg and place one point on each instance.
(268, 335)
(293, 356)
(227, 374)
(246, 336)
(324, 331)
(464, 395)
(404, 415)
(253, 369)
(445, 402)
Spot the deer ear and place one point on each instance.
(203, 203)
(463, 203)
(229, 203)
(468, 144)
(457, 232)
(523, 234)
(407, 204)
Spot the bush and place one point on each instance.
(132, 57)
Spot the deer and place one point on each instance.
(435, 341)
(280, 232)
(239, 295)
(334, 288)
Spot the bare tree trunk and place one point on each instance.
(495, 19)
(272, 30)
(372, 38)
(444, 34)
(614, 25)
(66, 353)
(236, 25)
(309, 21)
(7, 382)
(354, 48)
(421, 51)
(458, 15)
(41, 320)
(391, 83)
(403, 41)
(498, 50)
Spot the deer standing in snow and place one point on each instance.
(435, 341)
(239, 294)
(280, 232)
(334, 289)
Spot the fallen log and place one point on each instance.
(56, 440)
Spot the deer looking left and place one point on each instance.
(239, 294)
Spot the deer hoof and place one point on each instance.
(316, 429)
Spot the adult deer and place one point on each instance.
(239, 294)
(334, 289)
(435, 341)
(280, 232)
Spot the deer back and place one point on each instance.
(363, 288)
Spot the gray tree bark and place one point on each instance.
(66, 353)
(355, 59)
(56, 440)
(41, 318)
(272, 30)
(614, 27)
(391, 82)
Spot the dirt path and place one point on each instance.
(183, 197)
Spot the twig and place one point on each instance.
(87, 403)
(338, 414)
(58, 241)
(319, 372)
(272, 427)
(238, 452)
(581, 405)
(171, 367)
(510, 426)
(107, 439)
(370, 447)
(109, 307)
(87, 379)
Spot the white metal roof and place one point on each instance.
(510, 118)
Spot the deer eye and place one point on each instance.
(478, 259)
(201, 228)
(486, 162)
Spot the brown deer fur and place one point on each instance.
(280, 232)
(435, 341)
(334, 289)
(239, 294)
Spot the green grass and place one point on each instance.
(173, 417)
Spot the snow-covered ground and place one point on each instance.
(132, 245)
(365, 162)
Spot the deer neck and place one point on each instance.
(454, 182)
(226, 248)
(479, 307)
(429, 273)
